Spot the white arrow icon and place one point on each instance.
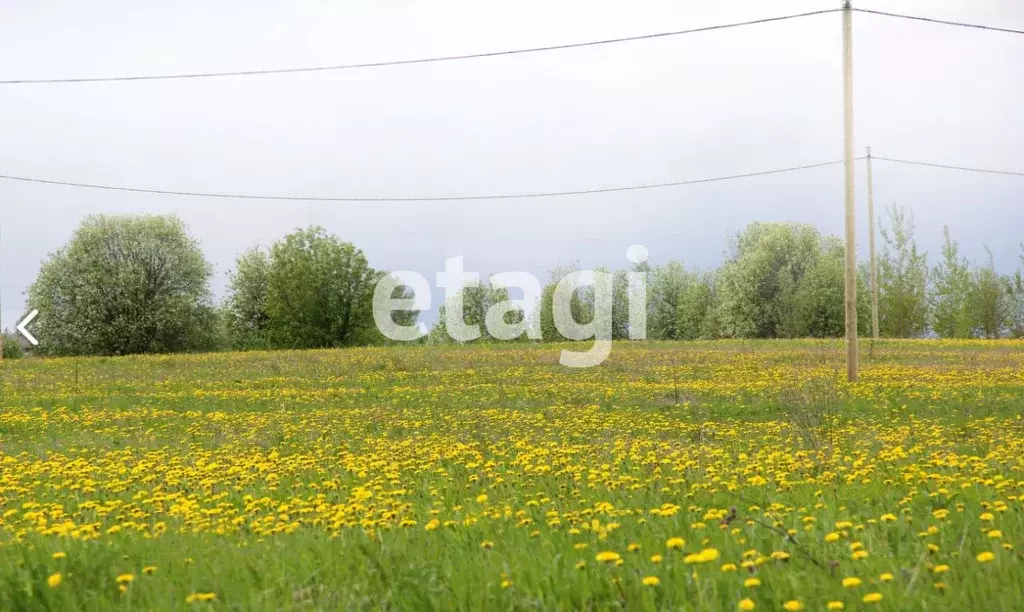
(24, 332)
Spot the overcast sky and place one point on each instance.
(668, 109)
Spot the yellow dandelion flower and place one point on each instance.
(149, 570)
(651, 581)
(581, 564)
(54, 580)
(709, 554)
(940, 569)
(200, 597)
(752, 582)
(747, 604)
(793, 605)
(835, 605)
(985, 557)
(125, 578)
(675, 543)
(60, 555)
(872, 598)
(831, 536)
(656, 558)
(487, 544)
(995, 534)
(851, 582)
(608, 556)
(886, 577)
(729, 567)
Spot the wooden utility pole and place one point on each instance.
(851, 226)
(871, 247)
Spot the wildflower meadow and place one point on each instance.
(705, 475)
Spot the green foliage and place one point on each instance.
(680, 303)
(476, 301)
(309, 290)
(991, 301)
(319, 292)
(697, 305)
(246, 305)
(817, 308)
(665, 288)
(140, 284)
(902, 280)
(620, 304)
(11, 348)
(125, 284)
(1015, 291)
(581, 306)
(952, 287)
(759, 284)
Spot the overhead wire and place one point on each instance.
(947, 167)
(501, 196)
(507, 196)
(426, 60)
(939, 21)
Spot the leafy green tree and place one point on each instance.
(679, 302)
(476, 301)
(125, 284)
(993, 308)
(902, 280)
(319, 292)
(620, 305)
(697, 304)
(248, 321)
(952, 286)
(11, 348)
(665, 291)
(818, 305)
(1015, 291)
(581, 306)
(765, 267)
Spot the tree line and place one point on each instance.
(141, 284)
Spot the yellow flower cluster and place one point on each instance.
(745, 466)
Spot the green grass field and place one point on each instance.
(717, 475)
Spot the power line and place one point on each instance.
(946, 167)
(446, 58)
(428, 60)
(548, 194)
(940, 21)
(508, 196)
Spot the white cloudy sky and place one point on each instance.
(725, 102)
